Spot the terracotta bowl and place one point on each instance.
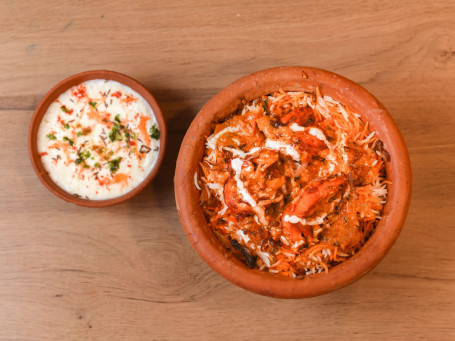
(292, 79)
(53, 94)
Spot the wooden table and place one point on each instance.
(128, 272)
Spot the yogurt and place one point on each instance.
(99, 140)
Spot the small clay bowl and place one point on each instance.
(292, 79)
(52, 95)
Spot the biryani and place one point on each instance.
(293, 183)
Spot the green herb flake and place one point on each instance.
(85, 154)
(115, 134)
(154, 132)
(86, 166)
(65, 109)
(66, 126)
(79, 133)
(97, 165)
(92, 104)
(117, 118)
(82, 156)
(51, 137)
(70, 142)
(114, 164)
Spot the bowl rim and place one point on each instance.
(53, 94)
(264, 283)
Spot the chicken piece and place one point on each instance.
(235, 202)
(269, 127)
(313, 196)
(306, 141)
(345, 234)
(233, 198)
(266, 158)
(301, 116)
(215, 176)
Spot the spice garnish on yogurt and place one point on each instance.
(99, 139)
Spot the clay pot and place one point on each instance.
(292, 79)
(52, 95)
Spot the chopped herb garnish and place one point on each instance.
(115, 134)
(51, 137)
(117, 118)
(92, 104)
(97, 165)
(82, 156)
(85, 154)
(132, 135)
(79, 133)
(65, 109)
(66, 126)
(114, 165)
(70, 142)
(86, 166)
(154, 132)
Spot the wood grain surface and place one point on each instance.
(128, 272)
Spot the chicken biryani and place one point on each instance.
(293, 183)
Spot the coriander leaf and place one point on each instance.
(117, 118)
(51, 137)
(65, 109)
(114, 164)
(79, 133)
(85, 154)
(114, 132)
(154, 132)
(82, 156)
(92, 104)
(66, 126)
(70, 142)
